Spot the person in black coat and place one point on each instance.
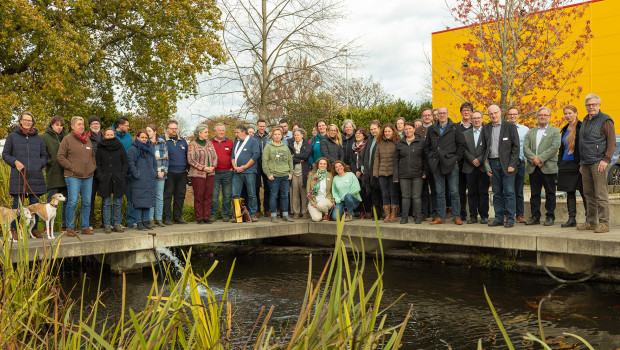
(348, 139)
(361, 136)
(410, 171)
(300, 149)
(331, 146)
(112, 165)
(24, 151)
(569, 176)
(143, 168)
(369, 182)
(476, 169)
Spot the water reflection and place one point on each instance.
(448, 301)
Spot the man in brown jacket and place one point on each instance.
(77, 157)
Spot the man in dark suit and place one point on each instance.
(501, 140)
(476, 169)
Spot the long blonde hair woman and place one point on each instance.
(331, 147)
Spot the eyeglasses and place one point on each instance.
(512, 114)
(26, 121)
(544, 115)
(591, 104)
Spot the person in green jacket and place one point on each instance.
(278, 167)
(346, 191)
(54, 173)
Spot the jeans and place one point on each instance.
(32, 199)
(389, 190)
(504, 198)
(519, 182)
(249, 180)
(537, 181)
(130, 211)
(142, 214)
(279, 186)
(156, 212)
(223, 181)
(349, 203)
(174, 188)
(412, 191)
(453, 185)
(63, 190)
(111, 211)
(78, 188)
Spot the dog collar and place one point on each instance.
(54, 205)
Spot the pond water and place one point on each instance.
(448, 301)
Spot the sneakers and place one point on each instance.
(586, 226)
(140, 227)
(326, 217)
(274, 219)
(118, 228)
(87, 231)
(147, 225)
(348, 217)
(108, 229)
(601, 227)
(225, 218)
(255, 218)
(159, 223)
(168, 222)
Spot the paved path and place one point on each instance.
(534, 238)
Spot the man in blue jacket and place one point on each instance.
(176, 182)
(245, 155)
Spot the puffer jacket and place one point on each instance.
(409, 159)
(112, 165)
(384, 158)
(30, 151)
(143, 176)
(53, 170)
(331, 150)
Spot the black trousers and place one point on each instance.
(429, 196)
(376, 196)
(538, 180)
(478, 194)
(174, 194)
(262, 180)
(463, 192)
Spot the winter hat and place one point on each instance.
(94, 119)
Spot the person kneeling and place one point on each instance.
(319, 186)
(346, 192)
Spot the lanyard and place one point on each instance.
(239, 149)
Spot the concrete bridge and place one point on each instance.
(133, 249)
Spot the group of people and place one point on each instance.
(428, 168)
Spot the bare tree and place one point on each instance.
(263, 37)
(361, 92)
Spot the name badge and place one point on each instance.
(226, 149)
(505, 139)
(182, 147)
(245, 149)
(87, 147)
(544, 134)
(277, 156)
(347, 181)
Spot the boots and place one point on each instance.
(571, 205)
(393, 212)
(570, 223)
(386, 212)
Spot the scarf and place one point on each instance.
(27, 132)
(201, 142)
(358, 148)
(143, 148)
(96, 135)
(319, 176)
(297, 146)
(82, 137)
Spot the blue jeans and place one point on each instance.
(113, 209)
(78, 188)
(249, 179)
(349, 203)
(504, 199)
(519, 182)
(223, 180)
(156, 212)
(279, 185)
(440, 186)
(31, 200)
(130, 211)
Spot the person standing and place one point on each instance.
(444, 147)
(202, 160)
(476, 168)
(176, 182)
(111, 172)
(300, 150)
(569, 177)
(410, 172)
(465, 124)
(77, 157)
(346, 192)
(501, 140)
(278, 166)
(261, 179)
(367, 167)
(320, 199)
(331, 146)
(287, 134)
(95, 134)
(121, 126)
(317, 140)
(356, 163)
(429, 194)
(513, 117)
(54, 173)
(348, 138)
(399, 124)
(222, 182)
(161, 156)
(597, 143)
(24, 151)
(541, 151)
(246, 152)
(143, 168)
(384, 170)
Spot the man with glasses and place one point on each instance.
(596, 147)
(541, 150)
(501, 140)
(429, 195)
(513, 117)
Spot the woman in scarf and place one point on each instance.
(202, 161)
(111, 173)
(143, 168)
(361, 136)
(319, 186)
(25, 153)
(300, 149)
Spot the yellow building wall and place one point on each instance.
(601, 72)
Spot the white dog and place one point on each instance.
(47, 212)
(7, 216)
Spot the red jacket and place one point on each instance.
(224, 151)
